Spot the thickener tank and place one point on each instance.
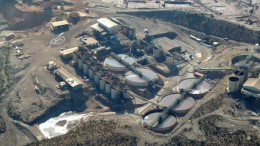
(233, 85)
(200, 90)
(181, 108)
(114, 65)
(80, 63)
(133, 79)
(168, 124)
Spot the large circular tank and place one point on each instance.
(199, 90)
(114, 65)
(133, 79)
(183, 107)
(168, 124)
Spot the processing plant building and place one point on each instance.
(251, 87)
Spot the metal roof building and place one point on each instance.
(57, 24)
(108, 25)
(70, 79)
(68, 52)
(252, 87)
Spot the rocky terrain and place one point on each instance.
(94, 133)
(203, 23)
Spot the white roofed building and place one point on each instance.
(251, 87)
(108, 25)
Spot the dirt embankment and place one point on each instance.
(203, 23)
(22, 19)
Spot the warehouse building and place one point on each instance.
(105, 25)
(58, 25)
(251, 87)
(68, 52)
(70, 79)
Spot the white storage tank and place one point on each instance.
(91, 73)
(80, 63)
(107, 88)
(51, 65)
(233, 84)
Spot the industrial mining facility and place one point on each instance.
(129, 72)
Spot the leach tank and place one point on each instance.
(183, 107)
(168, 124)
(133, 79)
(113, 65)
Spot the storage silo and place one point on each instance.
(85, 68)
(157, 52)
(75, 58)
(115, 93)
(169, 59)
(80, 63)
(91, 73)
(233, 85)
(102, 84)
(96, 78)
(107, 88)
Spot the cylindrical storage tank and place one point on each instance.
(51, 65)
(80, 63)
(168, 124)
(114, 93)
(85, 69)
(169, 59)
(107, 88)
(133, 79)
(91, 73)
(102, 85)
(233, 84)
(75, 58)
(96, 79)
(156, 52)
(241, 76)
(114, 65)
(126, 95)
(181, 108)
